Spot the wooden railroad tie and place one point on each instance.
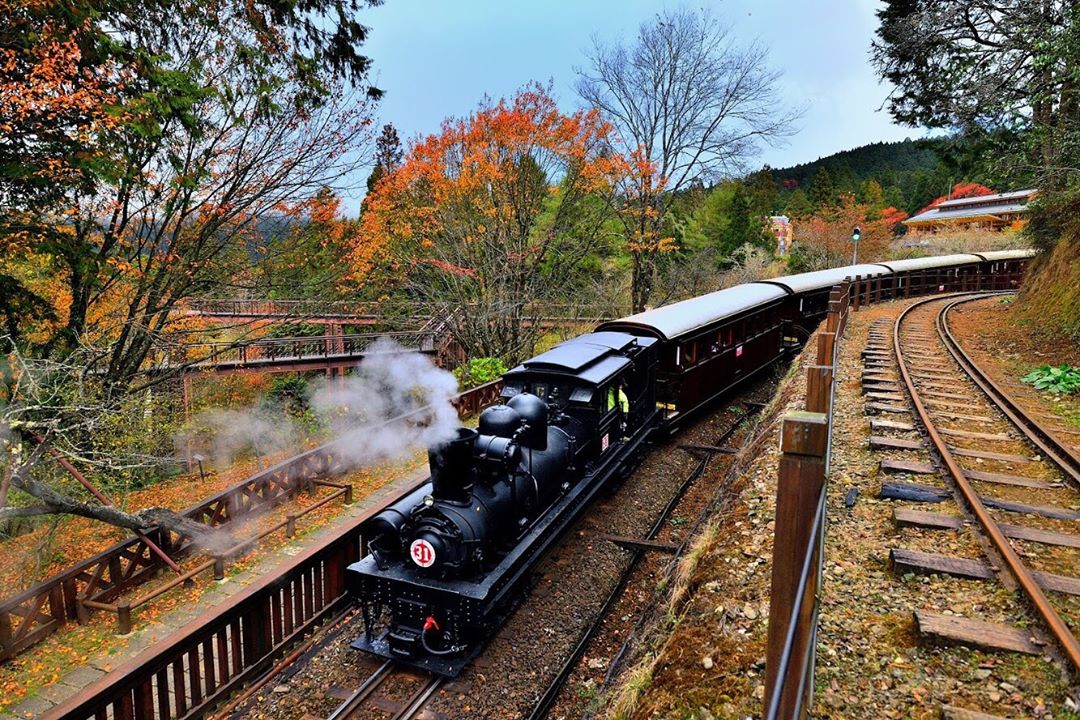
(1003, 479)
(881, 442)
(986, 419)
(907, 517)
(885, 397)
(950, 629)
(975, 435)
(891, 425)
(875, 407)
(912, 467)
(904, 561)
(914, 492)
(987, 455)
(641, 544)
(879, 387)
(936, 394)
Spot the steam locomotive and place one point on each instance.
(447, 563)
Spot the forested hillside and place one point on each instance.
(910, 173)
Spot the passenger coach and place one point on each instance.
(710, 343)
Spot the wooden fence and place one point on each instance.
(96, 583)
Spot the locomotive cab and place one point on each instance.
(581, 379)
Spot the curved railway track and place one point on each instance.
(950, 397)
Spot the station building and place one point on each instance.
(993, 212)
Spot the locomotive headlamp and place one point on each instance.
(429, 500)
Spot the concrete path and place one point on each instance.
(216, 594)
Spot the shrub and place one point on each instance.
(479, 371)
(1061, 380)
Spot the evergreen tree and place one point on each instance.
(874, 198)
(822, 191)
(763, 194)
(388, 154)
(798, 205)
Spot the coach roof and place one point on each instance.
(673, 321)
(997, 255)
(820, 279)
(926, 263)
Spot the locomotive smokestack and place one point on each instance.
(451, 466)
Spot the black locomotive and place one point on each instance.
(448, 562)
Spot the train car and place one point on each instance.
(1005, 268)
(943, 273)
(809, 296)
(450, 560)
(709, 344)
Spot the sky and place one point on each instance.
(438, 58)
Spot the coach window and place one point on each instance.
(690, 353)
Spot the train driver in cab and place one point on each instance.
(617, 394)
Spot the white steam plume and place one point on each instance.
(364, 410)
(226, 434)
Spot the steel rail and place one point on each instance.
(418, 699)
(1065, 458)
(1031, 588)
(363, 692)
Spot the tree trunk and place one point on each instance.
(5, 485)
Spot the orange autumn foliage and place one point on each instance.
(467, 182)
(825, 238)
(960, 190)
(48, 96)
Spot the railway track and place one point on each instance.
(391, 691)
(1014, 477)
(555, 688)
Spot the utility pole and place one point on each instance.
(855, 235)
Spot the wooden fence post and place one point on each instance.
(803, 444)
(123, 617)
(825, 345)
(819, 388)
(858, 291)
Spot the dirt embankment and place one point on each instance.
(1049, 302)
(705, 656)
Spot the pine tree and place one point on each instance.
(822, 191)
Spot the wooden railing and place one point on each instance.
(98, 583)
(277, 350)
(191, 671)
(799, 534)
(298, 309)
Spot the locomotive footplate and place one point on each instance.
(470, 611)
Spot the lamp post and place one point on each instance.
(856, 233)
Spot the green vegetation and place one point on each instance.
(479, 371)
(1061, 380)
(905, 175)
